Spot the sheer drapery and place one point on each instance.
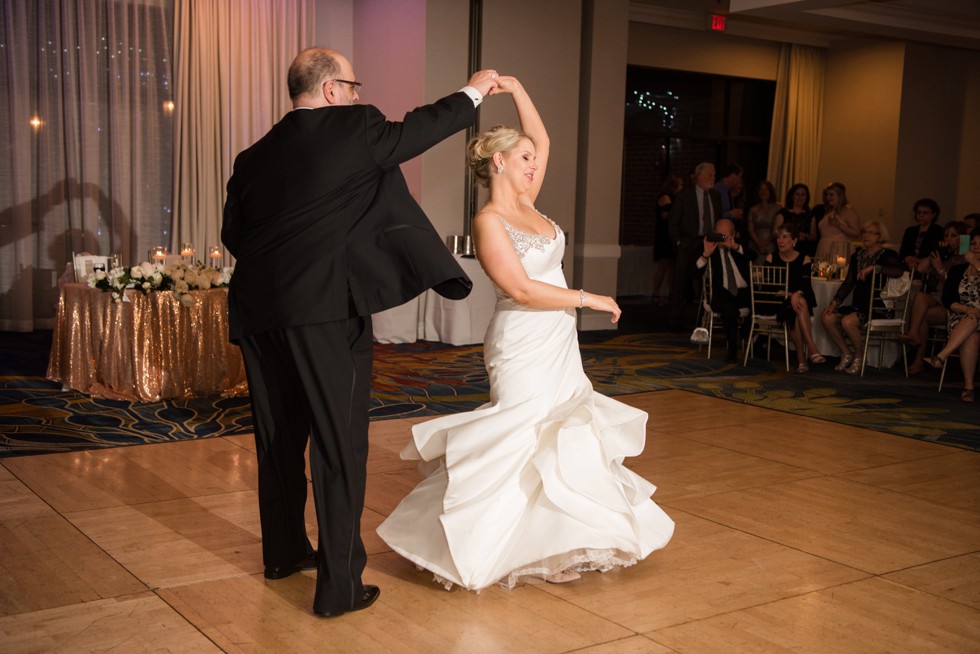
(86, 153)
(797, 119)
(231, 61)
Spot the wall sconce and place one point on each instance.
(168, 106)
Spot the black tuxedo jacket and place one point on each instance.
(685, 217)
(322, 223)
(739, 260)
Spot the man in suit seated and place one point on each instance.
(729, 282)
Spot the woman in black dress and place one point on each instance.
(797, 210)
(924, 236)
(797, 310)
(843, 322)
(664, 252)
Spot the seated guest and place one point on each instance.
(961, 295)
(927, 306)
(729, 283)
(971, 220)
(797, 210)
(840, 222)
(797, 309)
(923, 237)
(762, 216)
(844, 322)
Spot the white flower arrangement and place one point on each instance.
(148, 277)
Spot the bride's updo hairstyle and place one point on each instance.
(481, 148)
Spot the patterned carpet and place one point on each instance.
(425, 378)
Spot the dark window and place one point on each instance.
(674, 121)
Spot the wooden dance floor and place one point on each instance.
(792, 535)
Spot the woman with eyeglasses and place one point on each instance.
(845, 322)
(961, 295)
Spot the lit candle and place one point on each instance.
(841, 261)
(215, 252)
(187, 250)
(158, 253)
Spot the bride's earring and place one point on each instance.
(500, 169)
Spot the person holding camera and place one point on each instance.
(729, 282)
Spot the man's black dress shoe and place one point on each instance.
(276, 572)
(371, 593)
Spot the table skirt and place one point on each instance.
(147, 349)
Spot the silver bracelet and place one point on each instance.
(581, 298)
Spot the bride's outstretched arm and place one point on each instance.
(532, 125)
(502, 265)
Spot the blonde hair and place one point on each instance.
(482, 147)
(883, 236)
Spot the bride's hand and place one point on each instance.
(508, 84)
(603, 303)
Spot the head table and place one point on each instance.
(148, 348)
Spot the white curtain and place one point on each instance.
(85, 156)
(797, 119)
(231, 61)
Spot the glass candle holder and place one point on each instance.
(158, 253)
(187, 250)
(215, 254)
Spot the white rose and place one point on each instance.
(91, 281)
(147, 268)
(147, 285)
(204, 282)
(187, 300)
(156, 278)
(136, 273)
(177, 273)
(99, 275)
(191, 277)
(181, 287)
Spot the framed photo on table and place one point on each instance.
(86, 264)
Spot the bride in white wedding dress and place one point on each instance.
(531, 484)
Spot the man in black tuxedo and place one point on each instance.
(729, 283)
(326, 233)
(693, 215)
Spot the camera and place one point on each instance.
(716, 237)
(945, 252)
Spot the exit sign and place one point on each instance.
(718, 22)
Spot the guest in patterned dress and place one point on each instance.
(961, 295)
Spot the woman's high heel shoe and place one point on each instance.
(845, 362)
(855, 366)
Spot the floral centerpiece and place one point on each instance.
(147, 277)
(826, 270)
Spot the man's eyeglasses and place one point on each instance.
(355, 85)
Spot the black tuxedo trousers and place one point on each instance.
(313, 383)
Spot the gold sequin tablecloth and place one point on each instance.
(147, 349)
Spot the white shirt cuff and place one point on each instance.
(475, 95)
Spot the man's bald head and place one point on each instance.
(725, 227)
(311, 68)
